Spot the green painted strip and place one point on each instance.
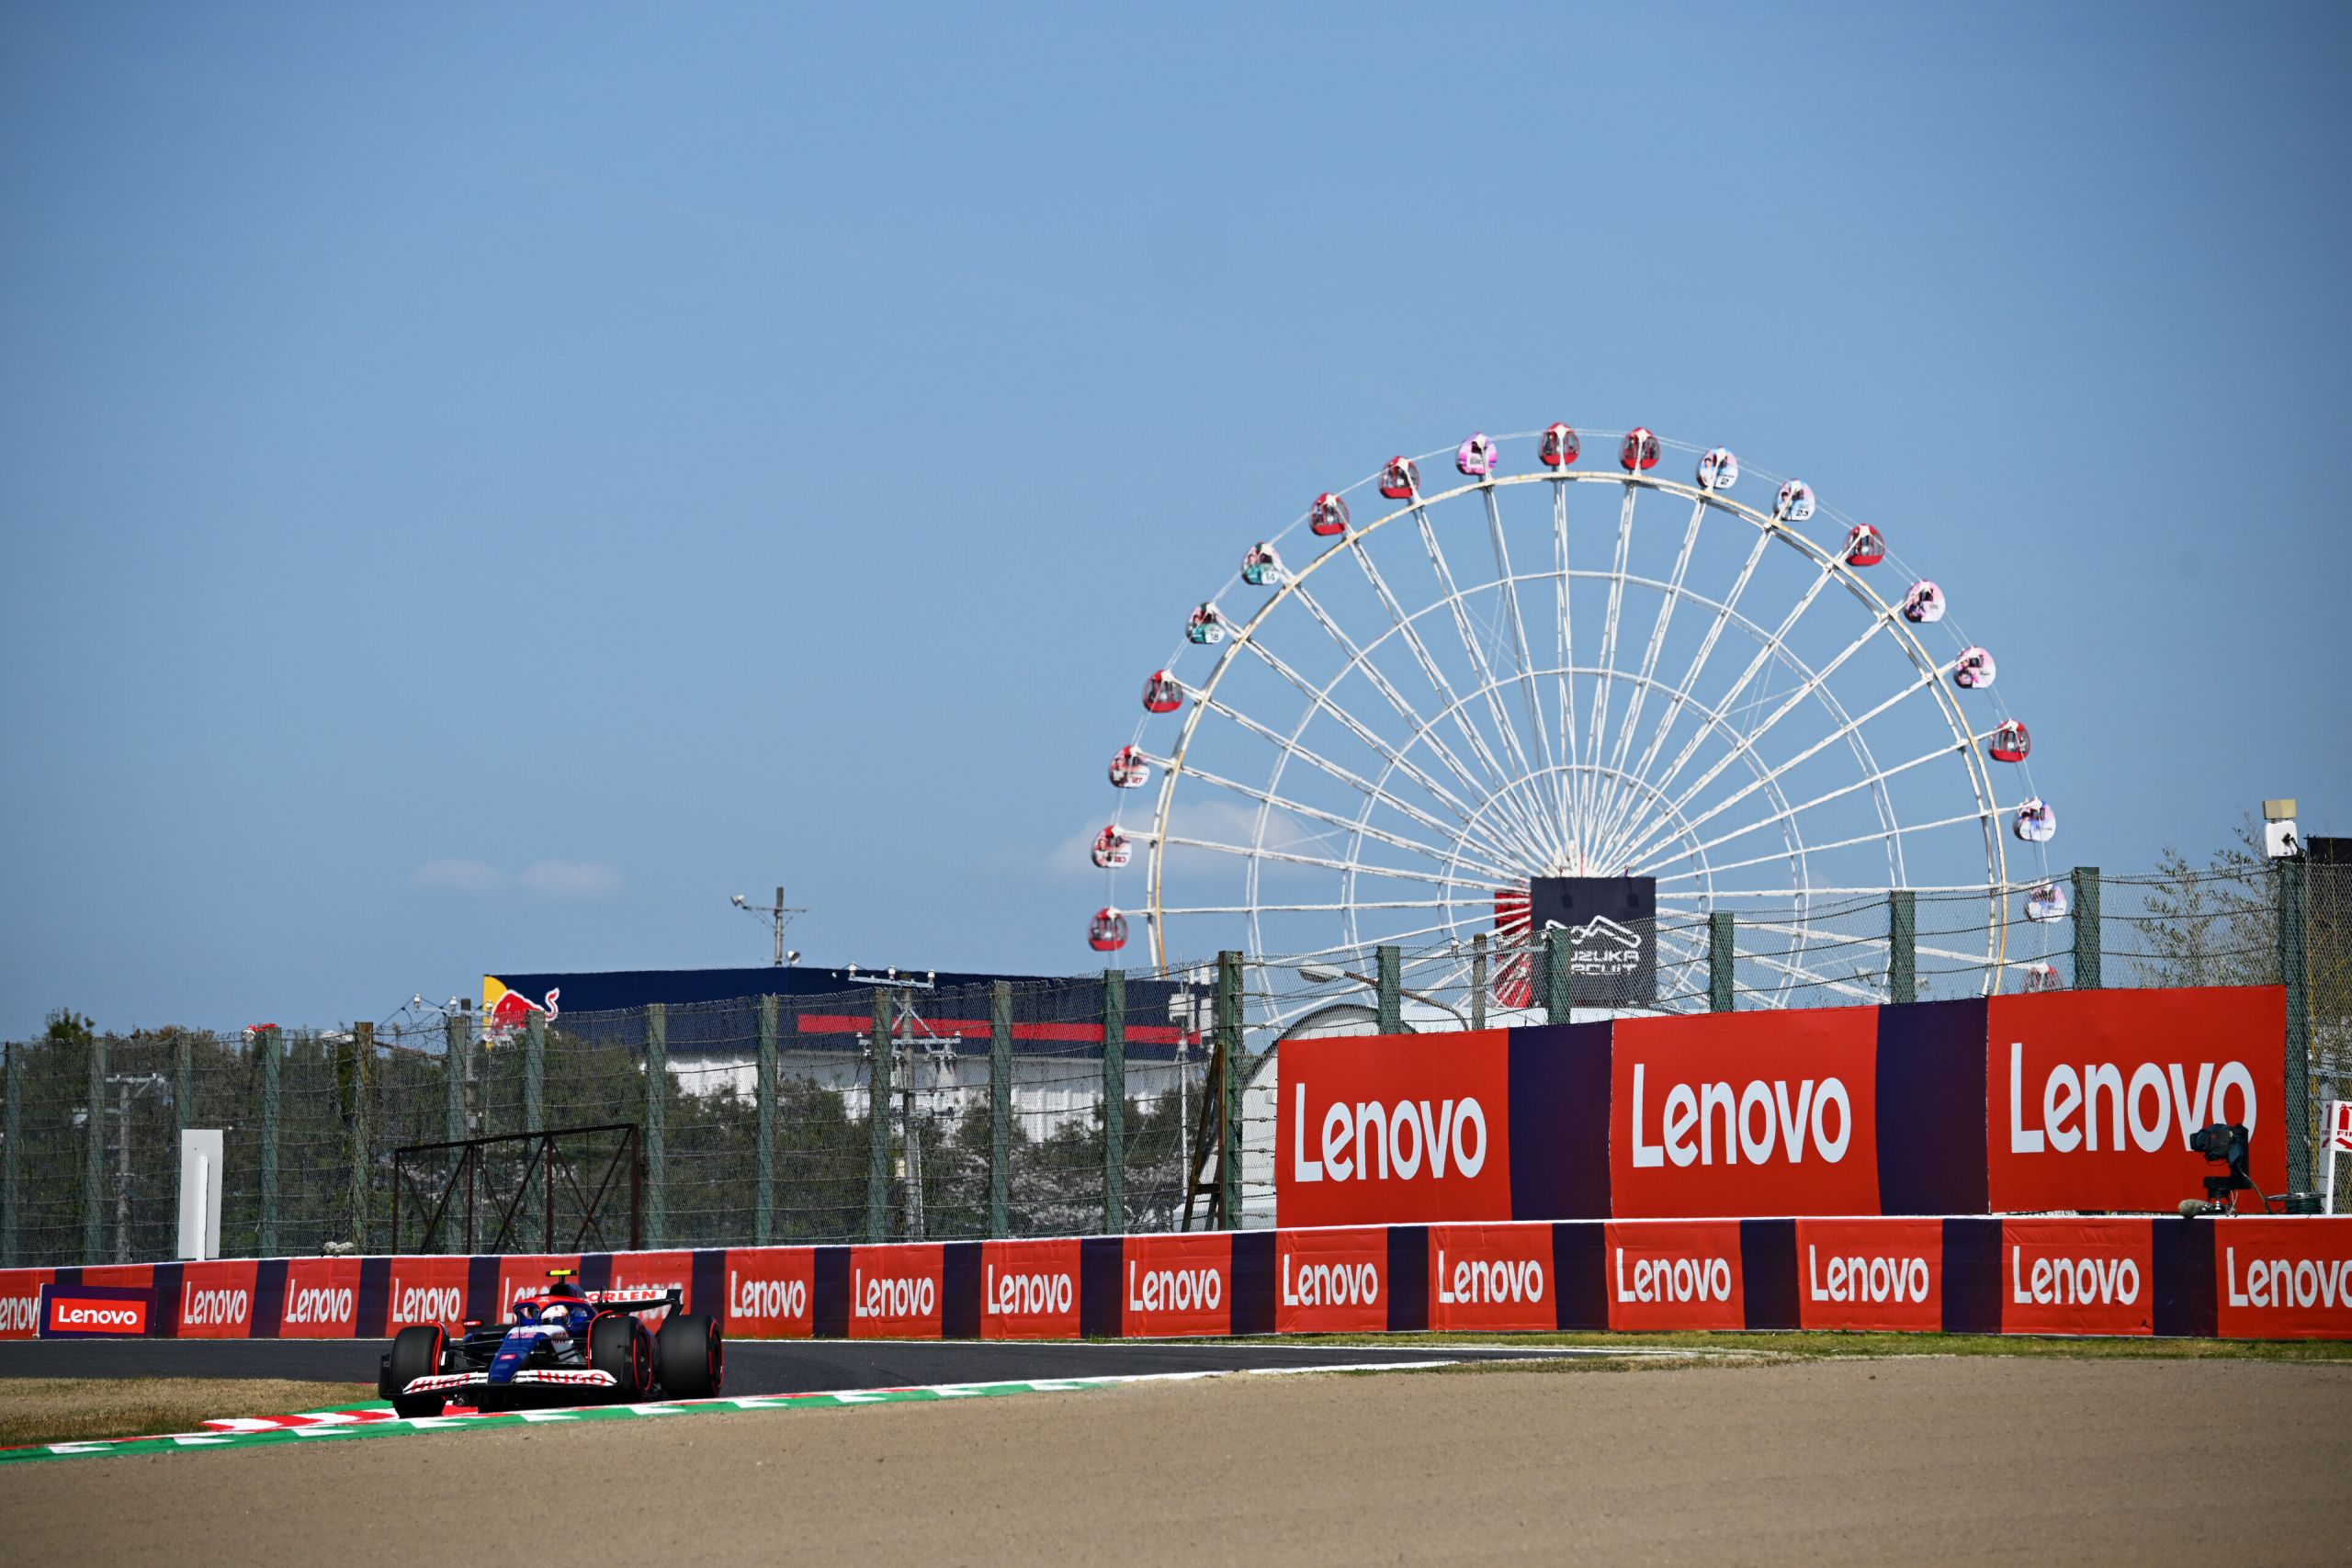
(396, 1428)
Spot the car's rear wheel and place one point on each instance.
(416, 1353)
(617, 1346)
(693, 1357)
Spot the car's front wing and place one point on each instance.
(561, 1377)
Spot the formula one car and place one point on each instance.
(564, 1346)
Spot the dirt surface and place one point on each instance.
(1925, 1459)
(64, 1410)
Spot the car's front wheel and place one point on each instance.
(416, 1353)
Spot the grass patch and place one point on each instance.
(1820, 1346)
(66, 1410)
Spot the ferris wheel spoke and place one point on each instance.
(1497, 775)
(1879, 837)
(1291, 857)
(1360, 658)
(1497, 711)
(1318, 698)
(1601, 804)
(1666, 602)
(1774, 645)
(1391, 939)
(1877, 944)
(1724, 611)
(1529, 690)
(1843, 731)
(1313, 813)
(1304, 908)
(1566, 580)
(1812, 682)
(1788, 813)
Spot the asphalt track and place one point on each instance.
(753, 1366)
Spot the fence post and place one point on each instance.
(1558, 1006)
(1479, 981)
(1902, 946)
(182, 1090)
(877, 1122)
(1114, 1102)
(266, 1042)
(535, 1074)
(657, 1104)
(1229, 1035)
(999, 1107)
(12, 1149)
(94, 1155)
(1389, 989)
(363, 1068)
(764, 1157)
(1720, 951)
(2294, 970)
(453, 1077)
(2088, 977)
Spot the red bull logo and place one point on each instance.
(503, 1011)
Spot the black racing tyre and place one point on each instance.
(416, 1353)
(617, 1344)
(692, 1356)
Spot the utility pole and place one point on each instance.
(777, 917)
(125, 1085)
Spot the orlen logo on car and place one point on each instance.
(2077, 1276)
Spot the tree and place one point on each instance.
(2211, 925)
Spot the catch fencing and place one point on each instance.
(1097, 1104)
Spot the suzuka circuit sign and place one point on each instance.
(1611, 926)
(2072, 1101)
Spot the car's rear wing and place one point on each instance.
(639, 1300)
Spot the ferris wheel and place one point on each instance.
(1400, 728)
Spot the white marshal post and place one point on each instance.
(200, 1193)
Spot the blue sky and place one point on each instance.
(481, 485)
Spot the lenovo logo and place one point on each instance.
(1330, 1284)
(426, 1304)
(892, 1297)
(1760, 1120)
(324, 1304)
(97, 1317)
(2073, 1281)
(1174, 1290)
(1673, 1279)
(1875, 1280)
(767, 1298)
(222, 1307)
(1400, 1139)
(1482, 1282)
(1010, 1295)
(2153, 1106)
(2290, 1282)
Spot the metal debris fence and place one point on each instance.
(1046, 1109)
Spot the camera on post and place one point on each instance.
(2224, 1144)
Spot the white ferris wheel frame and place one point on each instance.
(1596, 801)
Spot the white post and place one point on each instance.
(2338, 1125)
(200, 1193)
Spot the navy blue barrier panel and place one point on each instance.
(959, 1291)
(269, 1298)
(596, 1271)
(481, 1287)
(1768, 1273)
(829, 1301)
(1972, 1276)
(707, 1284)
(1409, 1278)
(1580, 1274)
(2187, 1299)
(1932, 1109)
(1100, 1259)
(165, 1319)
(1254, 1284)
(375, 1301)
(1559, 1122)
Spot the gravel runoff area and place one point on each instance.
(1924, 1459)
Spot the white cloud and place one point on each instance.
(456, 876)
(571, 879)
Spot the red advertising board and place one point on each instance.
(2282, 1278)
(80, 1312)
(322, 1299)
(1176, 1284)
(2091, 1096)
(2077, 1277)
(769, 1290)
(1391, 1129)
(655, 1271)
(1331, 1281)
(1497, 1277)
(427, 1289)
(1876, 1274)
(893, 1291)
(1675, 1274)
(525, 1274)
(20, 1301)
(216, 1300)
(1744, 1113)
(1029, 1289)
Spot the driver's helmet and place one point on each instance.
(556, 1312)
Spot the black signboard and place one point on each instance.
(1611, 923)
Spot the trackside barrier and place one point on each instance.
(2247, 1277)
